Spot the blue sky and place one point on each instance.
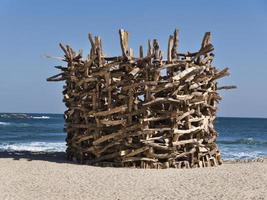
(31, 29)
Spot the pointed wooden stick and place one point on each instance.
(124, 43)
(170, 49)
(141, 53)
(206, 40)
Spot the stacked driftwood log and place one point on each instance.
(142, 111)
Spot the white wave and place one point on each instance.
(242, 155)
(40, 117)
(14, 124)
(35, 147)
(14, 115)
(4, 123)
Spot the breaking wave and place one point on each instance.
(234, 155)
(34, 146)
(248, 141)
(40, 117)
(12, 124)
(4, 123)
(22, 116)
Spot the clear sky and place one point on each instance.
(31, 29)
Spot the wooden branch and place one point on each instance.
(137, 151)
(124, 43)
(58, 77)
(111, 111)
(170, 49)
(206, 40)
(228, 87)
(190, 141)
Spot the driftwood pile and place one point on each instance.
(143, 111)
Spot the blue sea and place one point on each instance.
(239, 138)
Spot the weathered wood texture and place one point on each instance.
(143, 111)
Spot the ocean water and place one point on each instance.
(242, 138)
(239, 138)
(32, 132)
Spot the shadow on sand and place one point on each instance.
(58, 157)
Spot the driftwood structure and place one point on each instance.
(144, 111)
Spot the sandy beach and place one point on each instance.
(28, 176)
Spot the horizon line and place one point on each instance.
(51, 113)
